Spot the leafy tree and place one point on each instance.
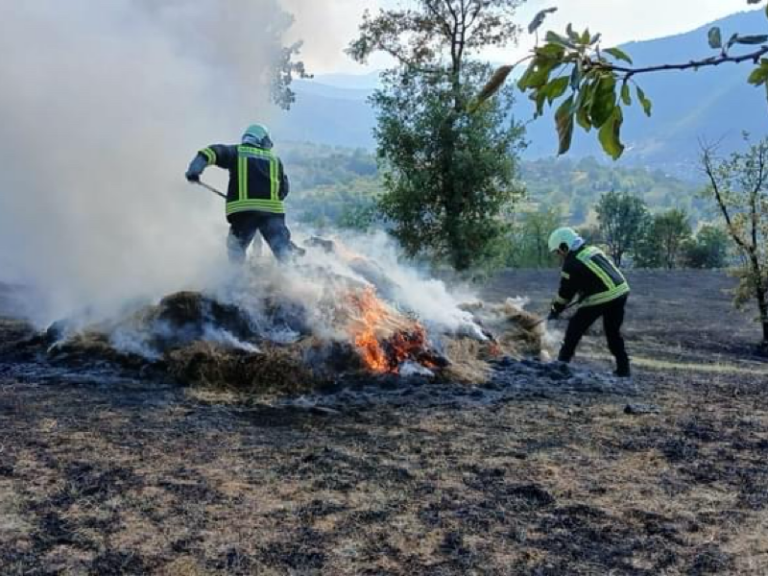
(738, 186)
(449, 176)
(530, 239)
(708, 249)
(662, 242)
(592, 85)
(622, 219)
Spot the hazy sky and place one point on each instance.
(327, 27)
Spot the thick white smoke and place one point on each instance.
(102, 105)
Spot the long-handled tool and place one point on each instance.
(538, 322)
(211, 188)
(299, 250)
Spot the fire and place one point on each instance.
(383, 337)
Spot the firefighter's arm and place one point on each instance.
(565, 293)
(215, 154)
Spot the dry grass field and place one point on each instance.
(525, 475)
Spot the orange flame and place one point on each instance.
(372, 312)
(383, 338)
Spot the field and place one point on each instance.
(545, 471)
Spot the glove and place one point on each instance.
(196, 168)
(553, 315)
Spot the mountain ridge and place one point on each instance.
(714, 104)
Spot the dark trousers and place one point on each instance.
(243, 227)
(613, 318)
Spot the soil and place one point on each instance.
(543, 469)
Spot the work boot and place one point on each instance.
(623, 372)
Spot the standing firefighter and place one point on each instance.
(602, 291)
(257, 187)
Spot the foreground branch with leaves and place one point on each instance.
(591, 85)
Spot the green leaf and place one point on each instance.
(715, 38)
(582, 117)
(586, 37)
(618, 54)
(554, 51)
(576, 76)
(537, 74)
(564, 120)
(625, 95)
(556, 88)
(645, 102)
(538, 20)
(572, 35)
(610, 134)
(604, 100)
(583, 102)
(555, 38)
(754, 39)
(759, 75)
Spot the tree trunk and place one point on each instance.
(762, 305)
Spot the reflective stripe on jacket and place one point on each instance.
(257, 181)
(589, 273)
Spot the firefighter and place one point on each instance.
(602, 291)
(257, 188)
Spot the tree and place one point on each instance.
(708, 249)
(738, 186)
(449, 176)
(592, 84)
(662, 242)
(622, 219)
(530, 239)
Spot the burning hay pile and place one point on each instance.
(332, 315)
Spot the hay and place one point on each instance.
(517, 332)
(212, 365)
(468, 361)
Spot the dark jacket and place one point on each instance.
(588, 272)
(257, 180)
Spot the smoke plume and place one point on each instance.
(102, 106)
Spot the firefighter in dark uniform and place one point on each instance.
(257, 188)
(602, 291)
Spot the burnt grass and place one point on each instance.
(535, 473)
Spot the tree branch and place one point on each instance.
(713, 61)
(709, 170)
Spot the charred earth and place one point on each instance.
(148, 444)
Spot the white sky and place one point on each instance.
(328, 26)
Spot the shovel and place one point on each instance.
(295, 247)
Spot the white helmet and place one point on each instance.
(562, 236)
(257, 135)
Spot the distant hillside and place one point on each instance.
(712, 103)
(329, 183)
